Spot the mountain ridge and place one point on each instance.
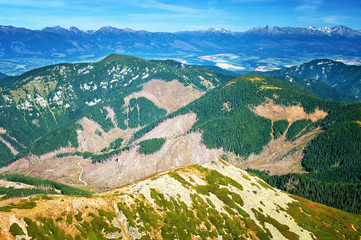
(192, 202)
(51, 97)
(345, 78)
(338, 29)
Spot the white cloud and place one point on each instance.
(308, 6)
(167, 7)
(229, 66)
(261, 69)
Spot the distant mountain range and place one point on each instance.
(23, 49)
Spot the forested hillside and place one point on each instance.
(46, 102)
(344, 196)
(318, 87)
(226, 119)
(345, 78)
(226, 116)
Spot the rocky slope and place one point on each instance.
(194, 202)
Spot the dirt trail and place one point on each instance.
(82, 170)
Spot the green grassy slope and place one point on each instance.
(194, 202)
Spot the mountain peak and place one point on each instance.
(218, 30)
(74, 29)
(268, 27)
(344, 31)
(108, 29)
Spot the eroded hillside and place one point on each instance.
(238, 119)
(39, 108)
(180, 148)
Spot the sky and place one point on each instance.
(180, 15)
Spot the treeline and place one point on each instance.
(94, 157)
(344, 196)
(77, 153)
(65, 189)
(101, 157)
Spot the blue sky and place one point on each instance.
(171, 16)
